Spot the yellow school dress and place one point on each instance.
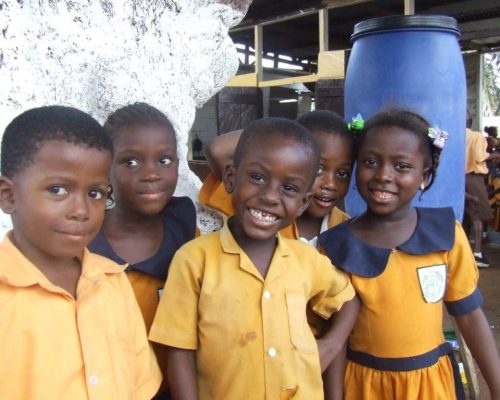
(397, 348)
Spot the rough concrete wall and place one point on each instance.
(101, 55)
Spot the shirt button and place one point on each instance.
(272, 352)
(93, 379)
(267, 294)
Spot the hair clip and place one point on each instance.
(438, 137)
(357, 124)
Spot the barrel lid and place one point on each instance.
(441, 22)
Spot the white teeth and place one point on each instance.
(382, 195)
(262, 216)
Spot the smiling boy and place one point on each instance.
(234, 306)
(69, 323)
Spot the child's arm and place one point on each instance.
(219, 152)
(181, 374)
(477, 334)
(333, 377)
(334, 339)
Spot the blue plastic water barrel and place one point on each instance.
(413, 62)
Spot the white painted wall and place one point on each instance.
(101, 55)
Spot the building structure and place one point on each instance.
(293, 56)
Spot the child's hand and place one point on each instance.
(334, 339)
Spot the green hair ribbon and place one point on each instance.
(357, 124)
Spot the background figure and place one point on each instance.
(491, 138)
(477, 208)
(198, 149)
(493, 186)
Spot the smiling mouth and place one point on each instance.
(262, 216)
(382, 195)
(324, 201)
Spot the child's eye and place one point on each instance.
(290, 189)
(131, 162)
(343, 174)
(96, 194)
(257, 178)
(165, 161)
(369, 163)
(58, 190)
(403, 167)
(321, 170)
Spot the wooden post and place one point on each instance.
(258, 53)
(409, 7)
(323, 30)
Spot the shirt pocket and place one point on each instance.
(300, 333)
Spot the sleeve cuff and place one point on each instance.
(326, 309)
(465, 305)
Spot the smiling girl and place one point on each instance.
(404, 263)
(147, 224)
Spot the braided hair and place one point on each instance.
(141, 114)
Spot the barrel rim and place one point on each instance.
(390, 22)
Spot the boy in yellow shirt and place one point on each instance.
(233, 309)
(335, 140)
(70, 326)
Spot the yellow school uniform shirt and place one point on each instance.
(397, 348)
(56, 347)
(335, 217)
(250, 334)
(475, 152)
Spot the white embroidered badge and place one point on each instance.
(432, 281)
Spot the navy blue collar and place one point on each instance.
(435, 231)
(179, 222)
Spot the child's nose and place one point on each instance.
(270, 193)
(384, 172)
(80, 208)
(328, 180)
(151, 171)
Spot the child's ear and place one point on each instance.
(229, 178)
(425, 178)
(305, 203)
(7, 194)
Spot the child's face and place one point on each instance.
(391, 168)
(57, 202)
(270, 188)
(144, 169)
(332, 180)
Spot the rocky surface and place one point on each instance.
(100, 55)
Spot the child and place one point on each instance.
(329, 188)
(404, 262)
(332, 179)
(147, 224)
(70, 326)
(234, 306)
